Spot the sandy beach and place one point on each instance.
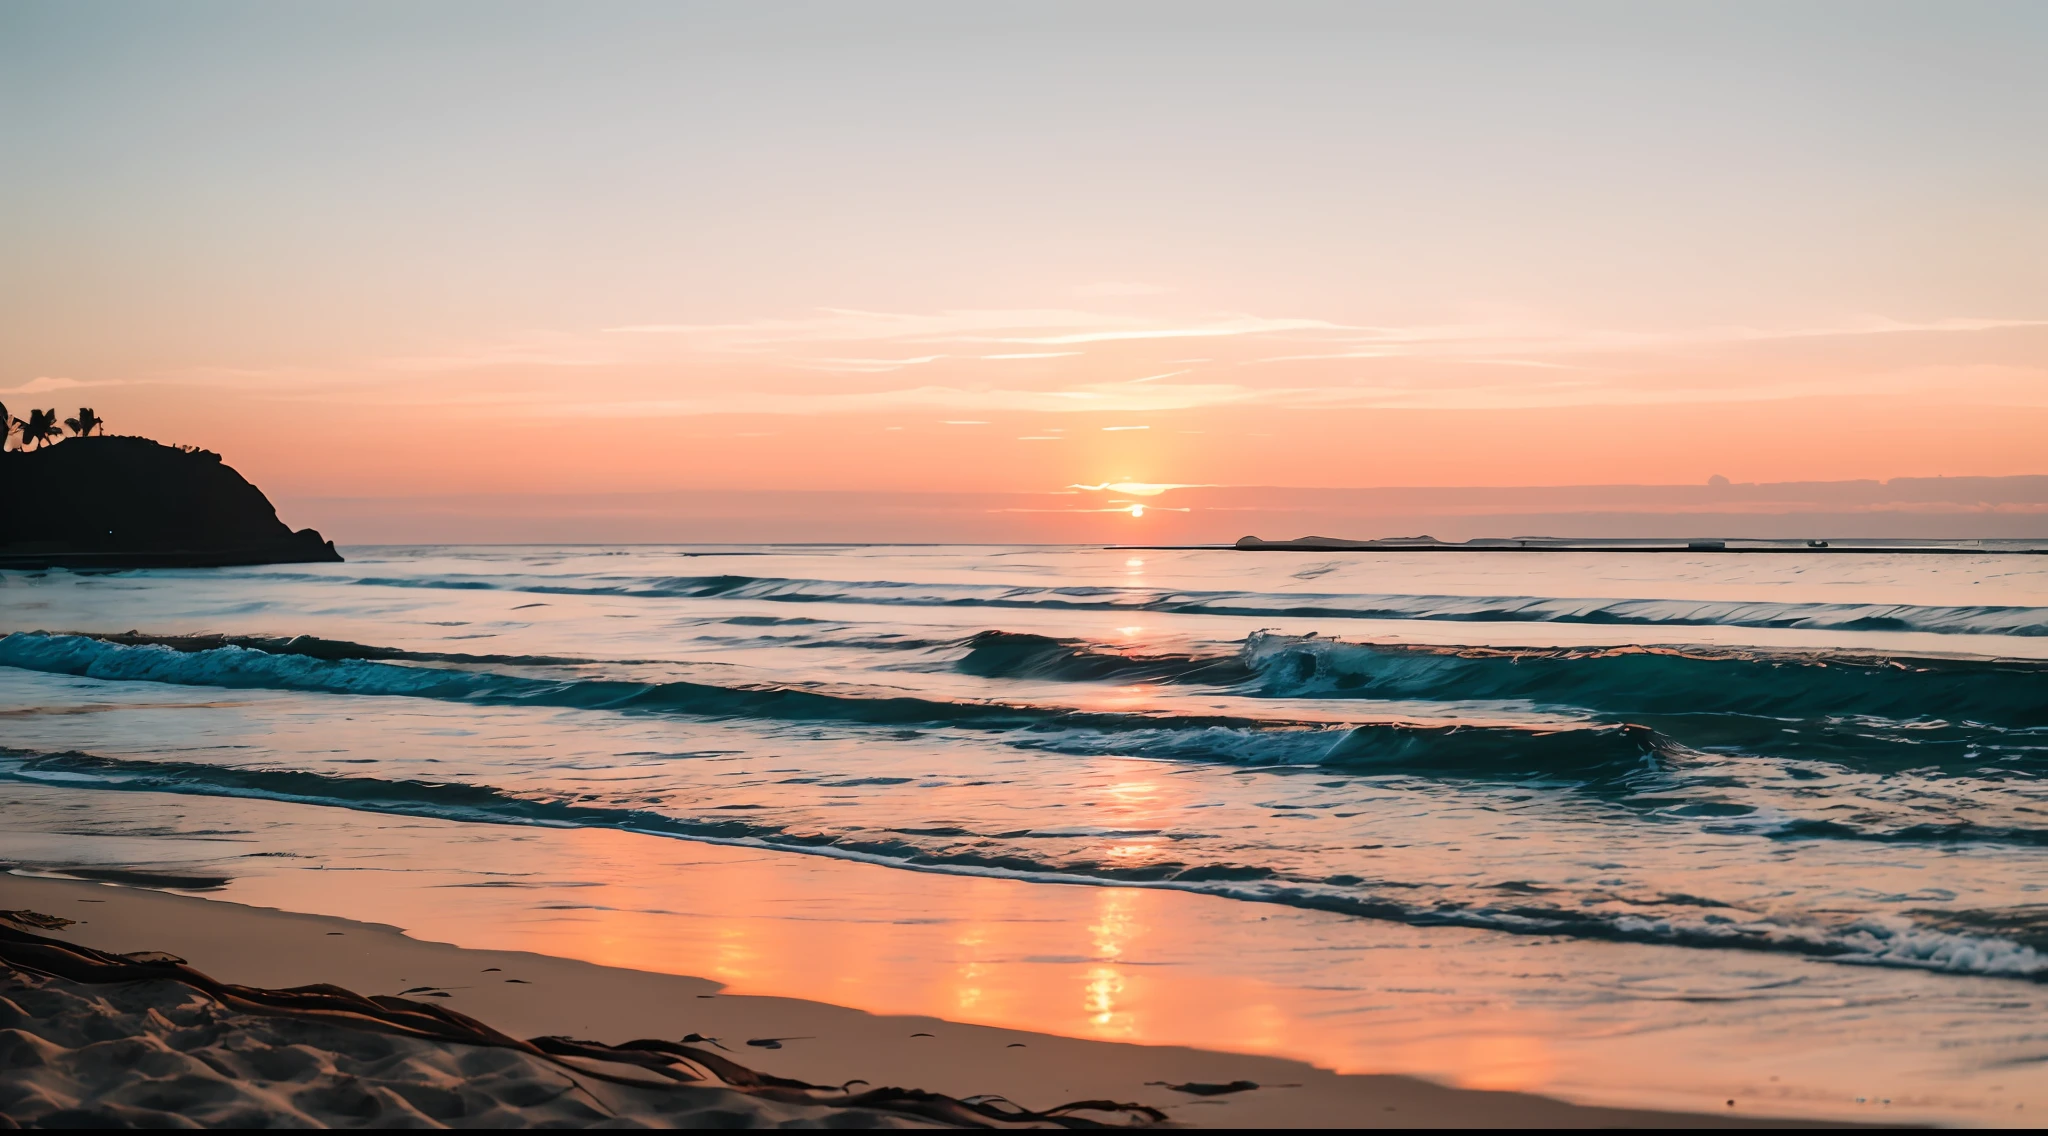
(59, 1063)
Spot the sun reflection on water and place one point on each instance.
(1114, 926)
(734, 953)
(967, 990)
(1134, 792)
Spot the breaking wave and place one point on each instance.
(1561, 751)
(1653, 680)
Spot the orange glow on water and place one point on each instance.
(1123, 964)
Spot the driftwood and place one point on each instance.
(667, 1063)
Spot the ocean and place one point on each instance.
(1811, 783)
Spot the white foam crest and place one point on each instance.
(1952, 620)
(221, 666)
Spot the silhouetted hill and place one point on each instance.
(111, 502)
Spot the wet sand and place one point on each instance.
(1619, 1025)
(531, 995)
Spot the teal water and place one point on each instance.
(1835, 757)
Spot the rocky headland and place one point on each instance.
(119, 502)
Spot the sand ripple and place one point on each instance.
(162, 1054)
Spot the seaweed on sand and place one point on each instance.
(669, 1064)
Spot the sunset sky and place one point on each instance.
(386, 250)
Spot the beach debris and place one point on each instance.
(153, 958)
(493, 969)
(773, 1042)
(669, 1063)
(1207, 1088)
(923, 1035)
(37, 919)
(519, 981)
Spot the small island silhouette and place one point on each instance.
(105, 501)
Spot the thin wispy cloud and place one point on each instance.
(791, 367)
(1138, 488)
(1536, 363)
(849, 325)
(1879, 325)
(795, 343)
(1118, 398)
(1329, 355)
(1235, 328)
(868, 366)
(44, 384)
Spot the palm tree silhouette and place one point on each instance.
(6, 426)
(41, 428)
(85, 423)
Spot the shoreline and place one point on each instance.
(1637, 1027)
(532, 995)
